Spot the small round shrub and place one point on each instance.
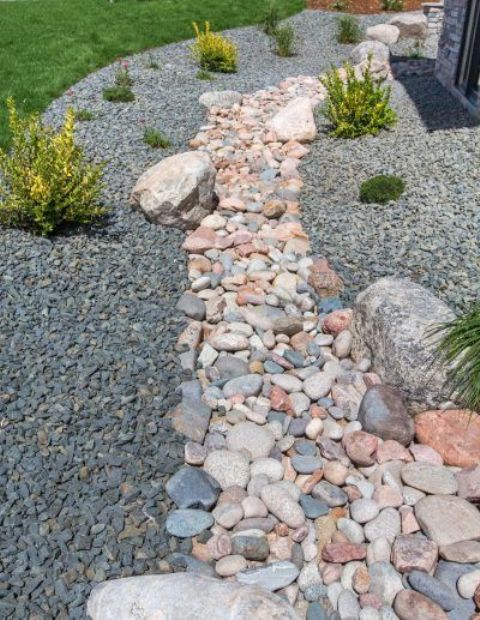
(381, 189)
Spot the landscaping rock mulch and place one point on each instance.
(303, 477)
(431, 233)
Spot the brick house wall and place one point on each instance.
(449, 49)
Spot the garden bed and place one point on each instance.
(361, 7)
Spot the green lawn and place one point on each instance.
(48, 45)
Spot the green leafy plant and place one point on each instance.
(284, 37)
(348, 29)
(381, 189)
(202, 74)
(393, 5)
(357, 104)
(459, 350)
(155, 138)
(46, 181)
(340, 5)
(118, 94)
(84, 115)
(213, 51)
(271, 18)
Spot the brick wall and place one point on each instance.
(449, 48)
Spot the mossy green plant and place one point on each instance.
(381, 189)
(348, 29)
(84, 115)
(155, 138)
(118, 94)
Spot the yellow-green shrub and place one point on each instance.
(45, 181)
(213, 51)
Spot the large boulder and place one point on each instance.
(224, 99)
(295, 121)
(184, 596)
(384, 33)
(392, 325)
(178, 191)
(411, 25)
(374, 49)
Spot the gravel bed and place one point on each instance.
(87, 367)
(432, 233)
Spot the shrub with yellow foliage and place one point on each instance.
(45, 181)
(213, 51)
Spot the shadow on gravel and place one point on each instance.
(436, 106)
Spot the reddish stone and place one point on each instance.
(409, 604)
(343, 552)
(425, 454)
(370, 600)
(361, 580)
(300, 342)
(391, 450)
(279, 399)
(312, 480)
(353, 492)
(469, 484)
(371, 378)
(414, 553)
(454, 434)
(409, 521)
(201, 240)
(325, 281)
(337, 321)
(387, 496)
(318, 412)
(476, 597)
(360, 447)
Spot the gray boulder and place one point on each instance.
(178, 191)
(220, 99)
(385, 33)
(392, 325)
(411, 25)
(378, 52)
(184, 596)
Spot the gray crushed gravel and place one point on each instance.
(432, 234)
(87, 367)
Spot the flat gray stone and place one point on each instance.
(434, 479)
(192, 306)
(184, 596)
(247, 385)
(231, 367)
(191, 487)
(271, 577)
(447, 519)
(187, 522)
(224, 99)
(434, 589)
(383, 413)
(191, 418)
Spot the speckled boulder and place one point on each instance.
(392, 325)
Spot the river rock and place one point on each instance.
(385, 582)
(434, 479)
(246, 385)
(410, 604)
(413, 552)
(248, 436)
(184, 523)
(224, 99)
(178, 191)
(383, 413)
(186, 596)
(281, 504)
(228, 468)
(434, 589)
(190, 487)
(385, 33)
(447, 519)
(454, 434)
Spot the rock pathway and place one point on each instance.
(281, 485)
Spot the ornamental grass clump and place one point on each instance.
(213, 51)
(284, 37)
(271, 18)
(155, 138)
(45, 182)
(381, 189)
(348, 29)
(357, 104)
(459, 351)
